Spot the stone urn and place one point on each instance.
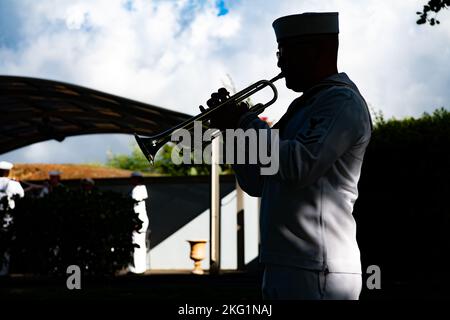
(198, 253)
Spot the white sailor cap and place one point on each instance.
(54, 173)
(5, 165)
(307, 23)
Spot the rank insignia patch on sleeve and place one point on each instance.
(315, 130)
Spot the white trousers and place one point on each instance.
(290, 283)
(140, 254)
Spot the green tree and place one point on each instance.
(163, 165)
(135, 162)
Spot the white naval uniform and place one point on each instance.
(8, 188)
(139, 193)
(306, 207)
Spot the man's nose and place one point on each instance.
(280, 58)
(280, 62)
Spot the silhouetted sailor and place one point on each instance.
(9, 188)
(308, 233)
(53, 183)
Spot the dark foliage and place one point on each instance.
(402, 212)
(90, 229)
(432, 6)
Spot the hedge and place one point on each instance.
(402, 211)
(69, 227)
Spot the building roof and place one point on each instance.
(34, 110)
(39, 171)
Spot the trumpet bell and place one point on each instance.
(148, 146)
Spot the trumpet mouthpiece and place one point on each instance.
(278, 77)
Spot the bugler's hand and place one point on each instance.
(227, 116)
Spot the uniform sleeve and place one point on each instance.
(14, 188)
(336, 125)
(249, 179)
(249, 175)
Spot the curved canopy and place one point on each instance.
(34, 110)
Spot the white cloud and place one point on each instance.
(76, 18)
(175, 53)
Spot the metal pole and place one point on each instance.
(240, 228)
(214, 247)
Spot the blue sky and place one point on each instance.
(175, 53)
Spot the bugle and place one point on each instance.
(150, 145)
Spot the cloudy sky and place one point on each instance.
(175, 53)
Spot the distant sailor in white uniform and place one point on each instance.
(9, 188)
(53, 183)
(139, 194)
